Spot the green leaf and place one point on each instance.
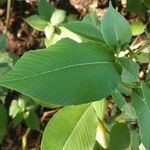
(119, 137)
(135, 140)
(3, 41)
(3, 122)
(71, 133)
(66, 73)
(85, 29)
(45, 10)
(116, 30)
(137, 28)
(146, 3)
(130, 71)
(92, 19)
(36, 22)
(2, 2)
(134, 6)
(58, 17)
(143, 57)
(141, 103)
(118, 99)
(100, 108)
(32, 121)
(148, 77)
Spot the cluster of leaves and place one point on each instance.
(21, 108)
(79, 75)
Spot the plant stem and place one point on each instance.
(8, 13)
(24, 139)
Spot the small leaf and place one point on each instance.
(49, 30)
(32, 121)
(66, 73)
(36, 22)
(137, 28)
(148, 77)
(3, 42)
(58, 17)
(146, 3)
(2, 2)
(134, 6)
(130, 71)
(143, 57)
(85, 29)
(118, 99)
(92, 19)
(116, 30)
(45, 10)
(100, 108)
(3, 122)
(71, 133)
(135, 140)
(119, 137)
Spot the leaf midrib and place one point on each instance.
(58, 69)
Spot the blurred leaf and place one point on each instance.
(75, 132)
(115, 28)
(100, 108)
(147, 3)
(135, 140)
(49, 30)
(137, 28)
(141, 103)
(45, 10)
(134, 6)
(36, 22)
(128, 114)
(82, 65)
(118, 99)
(3, 122)
(58, 17)
(130, 71)
(17, 119)
(123, 89)
(2, 2)
(32, 121)
(119, 137)
(97, 146)
(143, 57)
(65, 33)
(85, 29)
(148, 76)
(3, 42)
(92, 19)
(14, 109)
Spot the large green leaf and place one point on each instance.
(45, 10)
(77, 132)
(116, 30)
(85, 29)
(36, 22)
(66, 73)
(141, 103)
(119, 137)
